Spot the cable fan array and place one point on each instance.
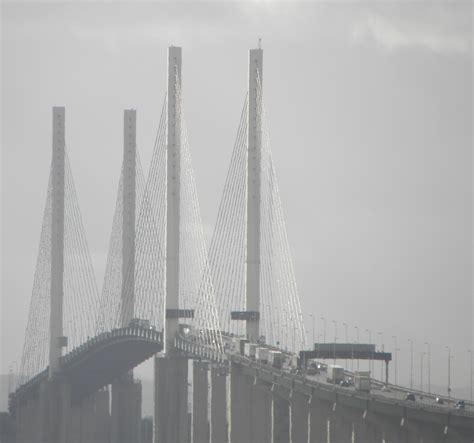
(146, 279)
(79, 285)
(281, 320)
(202, 281)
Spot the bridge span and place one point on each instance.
(283, 403)
(76, 376)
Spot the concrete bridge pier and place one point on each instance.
(171, 399)
(318, 420)
(54, 411)
(366, 431)
(90, 419)
(126, 410)
(219, 421)
(27, 421)
(250, 406)
(240, 406)
(340, 428)
(261, 412)
(200, 402)
(299, 413)
(102, 416)
(280, 415)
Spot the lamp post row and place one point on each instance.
(426, 353)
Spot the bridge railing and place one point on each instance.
(379, 384)
(96, 341)
(302, 379)
(191, 344)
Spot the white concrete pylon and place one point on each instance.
(56, 339)
(173, 196)
(254, 192)
(128, 215)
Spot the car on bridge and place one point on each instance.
(460, 404)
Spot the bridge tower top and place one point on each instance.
(56, 339)
(173, 195)
(254, 192)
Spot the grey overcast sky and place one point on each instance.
(369, 108)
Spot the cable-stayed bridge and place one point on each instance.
(232, 309)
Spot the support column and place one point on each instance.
(56, 340)
(171, 399)
(340, 427)
(219, 426)
(200, 402)
(280, 416)
(54, 411)
(240, 402)
(299, 413)
(173, 195)
(126, 411)
(251, 405)
(253, 192)
(102, 415)
(318, 421)
(261, 413)
(366, 432)
(128, 216)
(125, 393)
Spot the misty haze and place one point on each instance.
(239, 222)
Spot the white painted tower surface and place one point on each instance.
(56, 339)
(173, 196)
(253, 193)
(128, 216)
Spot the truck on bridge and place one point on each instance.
(335, 374)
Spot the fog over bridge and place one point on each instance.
(232, 309)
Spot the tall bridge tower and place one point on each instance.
(126, 393)
(56, 339)
(171, 370)
(173, 178)
(254, 168)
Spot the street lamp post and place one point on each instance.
(370, 342)
(411, 363)
(358, 341)
(324, 331)
(335, 340)
(422, 354)
(449, 370)
(395, 349)
(347, 339)
(429, 366)
(312, 318)
(470, 352)
(382, 349)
